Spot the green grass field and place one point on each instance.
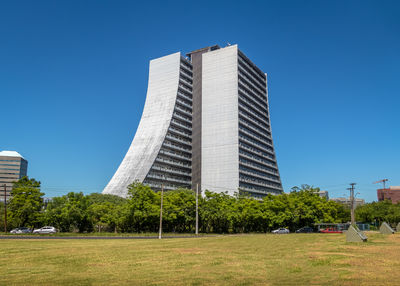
(259, 259)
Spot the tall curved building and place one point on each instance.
(205, 123)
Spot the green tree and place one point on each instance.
(96, 198)
(26, 203)
(102, 216)
(143, 209)
(247, 215)
(379, 212)
(103, 211)
(179, 210)
(69, 213)
(216, 212)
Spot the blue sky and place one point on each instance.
(73, 79)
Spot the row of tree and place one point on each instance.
(218, 212)
(379, 212)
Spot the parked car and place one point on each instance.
(330, 230)
(20, 230)
(280, 230)
(305, 229)
(45, 229)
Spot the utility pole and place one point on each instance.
(161, 209)
(197, 209)
(5, 208)
(351, 189)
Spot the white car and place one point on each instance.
(20, 230)
(281, 230)
(45, 229)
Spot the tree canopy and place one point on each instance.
(26, 203)
(218, 212)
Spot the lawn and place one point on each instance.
(259, 259)
(107, 234)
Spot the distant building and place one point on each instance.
(347, 201)
(12, 168)
(323, 194)
(392, 193)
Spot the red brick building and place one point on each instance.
(392, 193)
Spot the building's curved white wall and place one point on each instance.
(158, 109)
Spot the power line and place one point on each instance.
(331, 186)
(5, 208)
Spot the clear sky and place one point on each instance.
(73, 80)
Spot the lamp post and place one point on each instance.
(197, 209)
(161, 211)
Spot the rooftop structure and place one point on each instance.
(347, 201)
(323, 194)
(205, 123)
(6, 153)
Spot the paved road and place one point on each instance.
(90, 237)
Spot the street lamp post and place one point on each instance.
(197, 209)
(161, 211)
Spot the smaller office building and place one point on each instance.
(323, 194)
(392, 193)
(12, 168)
(347, 201)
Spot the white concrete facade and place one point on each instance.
(220, 143)
(157, 114)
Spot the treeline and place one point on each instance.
(379, 212)
(140, 212)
